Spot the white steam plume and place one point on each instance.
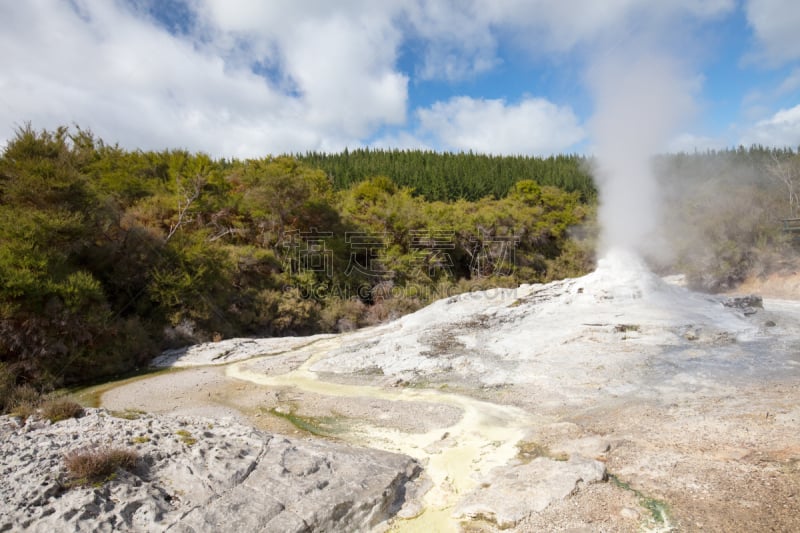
(639, 104)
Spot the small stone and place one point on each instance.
(748, 304)
(629, 513)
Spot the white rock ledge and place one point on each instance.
(232, 478)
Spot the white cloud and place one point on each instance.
(339, 57)
(110, 70)
(255, 77)
(533, 126)
(790, 84)
(781, 129)
(462, 37)
(776, 23)
(457, 36)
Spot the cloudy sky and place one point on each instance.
(246, 78)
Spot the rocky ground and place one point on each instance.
(613, 402)
(192, 474)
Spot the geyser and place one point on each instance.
(639, 103)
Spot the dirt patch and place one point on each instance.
(720, 464)
(784, 286)
(595, 507)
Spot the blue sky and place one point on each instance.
(240, 78)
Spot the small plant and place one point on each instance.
(141, 439)
(321, 426)
(7, 384)
(98, 465)
(659, 510)
(128, 414)
(23, 401)
(57, 409)
(186, 437)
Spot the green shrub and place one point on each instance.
(287, 312)
(340, 315)
(391, 309)
(97, 465)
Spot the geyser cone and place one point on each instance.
(622, 274)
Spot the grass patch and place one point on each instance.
(528, 451)
(659, 510)
(128, 414)
(141, 439)
(186, 437)
(26, 401)
(98, 465)
(57, 409)
(22, 401)
(321, 426)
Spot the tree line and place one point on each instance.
(450, 176)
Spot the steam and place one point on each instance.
(639, 104)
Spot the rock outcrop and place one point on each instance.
(511, 493)
(193, 474)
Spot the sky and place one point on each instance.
(242, 78)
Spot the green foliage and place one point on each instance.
(287, 312)
(55, 320)
(341, 315)
(449, 176)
